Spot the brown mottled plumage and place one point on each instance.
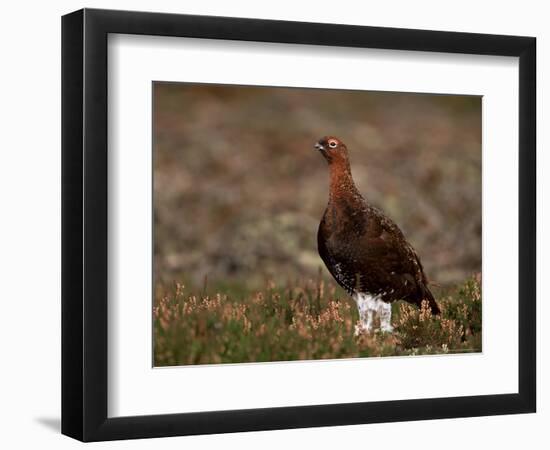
(364, 250)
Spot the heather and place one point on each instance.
(302, 321)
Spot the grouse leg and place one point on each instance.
(384, 311)
(367, 306)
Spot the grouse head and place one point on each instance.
(333, 149)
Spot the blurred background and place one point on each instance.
(239, 189)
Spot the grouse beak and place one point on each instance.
(319, 146)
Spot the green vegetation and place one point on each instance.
(306, 320)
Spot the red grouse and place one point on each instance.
(364, 250)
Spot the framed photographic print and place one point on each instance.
(273, 224)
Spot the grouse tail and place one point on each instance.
(431, 302)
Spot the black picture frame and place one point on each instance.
(84, 224)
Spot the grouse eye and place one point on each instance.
(332, 144)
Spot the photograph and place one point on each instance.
(308, 224)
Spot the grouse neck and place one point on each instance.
(341, 181)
